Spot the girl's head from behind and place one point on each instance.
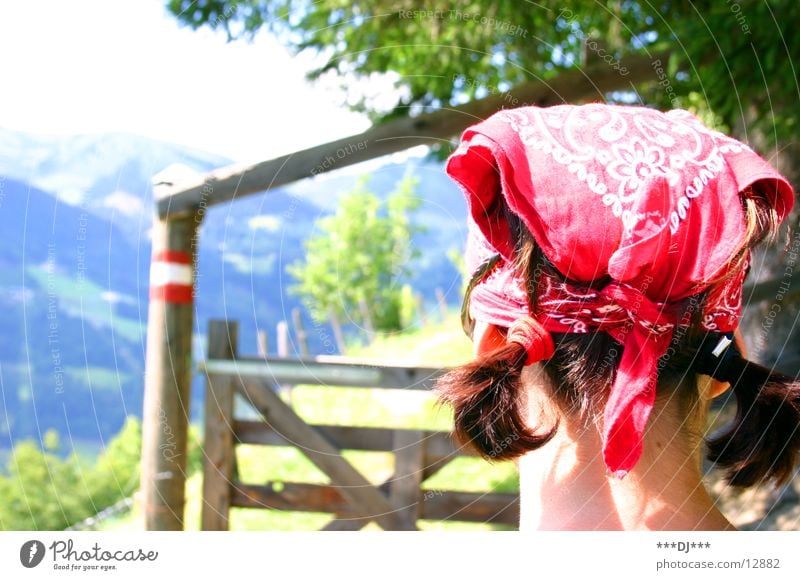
(609, 245)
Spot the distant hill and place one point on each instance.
(75, 217)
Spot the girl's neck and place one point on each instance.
(565, 486)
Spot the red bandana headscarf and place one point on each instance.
(646, 199)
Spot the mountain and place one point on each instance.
(75, 219)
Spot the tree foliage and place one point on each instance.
(42, 491)
(359, 259)
(739, 57)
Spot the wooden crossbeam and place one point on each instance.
(409, 462)
(318, 371)
(439, 445)
(227, 183)
(219, 453)
(497, 508)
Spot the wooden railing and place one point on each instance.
(395, 504)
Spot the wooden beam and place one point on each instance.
(366, 501)
(218, 443)
(306, 497)
(341, 523)
(300, 332)
(409, 465)
(315, 372)
(168, 373)
(439, 445)
(236, 181)
(496, 508)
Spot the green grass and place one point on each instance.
(436, 345)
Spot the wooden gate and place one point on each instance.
(396, 504)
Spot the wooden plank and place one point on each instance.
(168, 374)
(366, 500)
(262, 341)
(218, 443)
(300, 332)
(282, 332)
(496, 508)
(236, 181)
(301, 497)
(342, 524)
(409, 462)
(341, 436)
(438, 444)
(317, 371)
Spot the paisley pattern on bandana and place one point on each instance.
(647, 146)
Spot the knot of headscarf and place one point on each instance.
(642, 326)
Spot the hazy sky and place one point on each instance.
(90, 66)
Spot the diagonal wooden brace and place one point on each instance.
(367, 501)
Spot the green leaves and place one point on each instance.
(361, 255)
(736, 55)
(42, 491)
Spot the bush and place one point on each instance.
(42, 491)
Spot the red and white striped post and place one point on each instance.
(172, 277)
(168, 372)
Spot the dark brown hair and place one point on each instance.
(487, 397)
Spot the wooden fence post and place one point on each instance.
(168, 372)
(409, 466)
(300, 332)
(282, 332)
(262, 340)
(218, 444)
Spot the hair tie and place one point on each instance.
(535, 339)
(716, 355)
